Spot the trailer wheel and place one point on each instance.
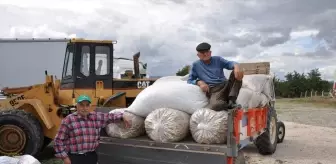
(240, 159)
(46, 143)
(281, 131)
(20, 133)
(267, 141)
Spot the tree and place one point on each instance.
(297, 83)
(184, 71)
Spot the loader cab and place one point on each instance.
(88, 68)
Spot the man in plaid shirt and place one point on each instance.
(77, 137)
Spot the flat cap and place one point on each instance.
(203, 47)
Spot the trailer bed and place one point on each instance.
(143, 150)
(244, 126)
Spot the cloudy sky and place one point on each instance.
(291, 34)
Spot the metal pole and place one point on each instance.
(11, 40)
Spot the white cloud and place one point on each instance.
(86, 6)
(329, 72)
(37, 32)
(167, 32)
(303, 33)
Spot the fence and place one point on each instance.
(330, 93)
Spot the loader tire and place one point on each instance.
(20, 133)
(267, 141)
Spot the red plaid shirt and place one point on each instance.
(79, 135)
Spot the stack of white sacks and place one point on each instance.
(171, 109)
(24, 159)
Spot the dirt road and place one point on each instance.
(306, 113)
(303, 144)
(310, 136)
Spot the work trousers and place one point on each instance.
(87, 158)
(221, 94)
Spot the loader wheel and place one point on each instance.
(267, 141)
(240, 159)
(281, 131)
(20, 133)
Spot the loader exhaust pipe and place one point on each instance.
(136, 65)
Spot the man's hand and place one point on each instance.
(66, 160)
(127, 120)
(238, 74)
(203, 86)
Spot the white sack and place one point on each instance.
(208, 126)
(27, 159)
(167, 125)
(120, 131)
(259, 83)
(185, 78)
(256, 82)
(24, 159)
(8, 160)
(247, 98)
(170, 94)
(167, 79)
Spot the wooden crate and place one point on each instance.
(255, 68)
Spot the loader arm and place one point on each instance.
(115, 97)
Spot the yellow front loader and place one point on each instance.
(30, 116)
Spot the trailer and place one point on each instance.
(259, 126)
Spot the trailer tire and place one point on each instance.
(26, 131)
(46, 142)
(266, 143)
(240, 159)
(281, 131)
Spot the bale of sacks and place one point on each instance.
(9, 160)
(167, 125)
(257, 91)
(167, 79)
(248, 98)
(24, 159)
(119, 130)
(174, 94)
(260, 83)
(208, 126)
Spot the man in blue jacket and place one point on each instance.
(208, 74)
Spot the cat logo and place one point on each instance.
(143, 84)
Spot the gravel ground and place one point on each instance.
(303, 144)
(310, 136)
(306, 113)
